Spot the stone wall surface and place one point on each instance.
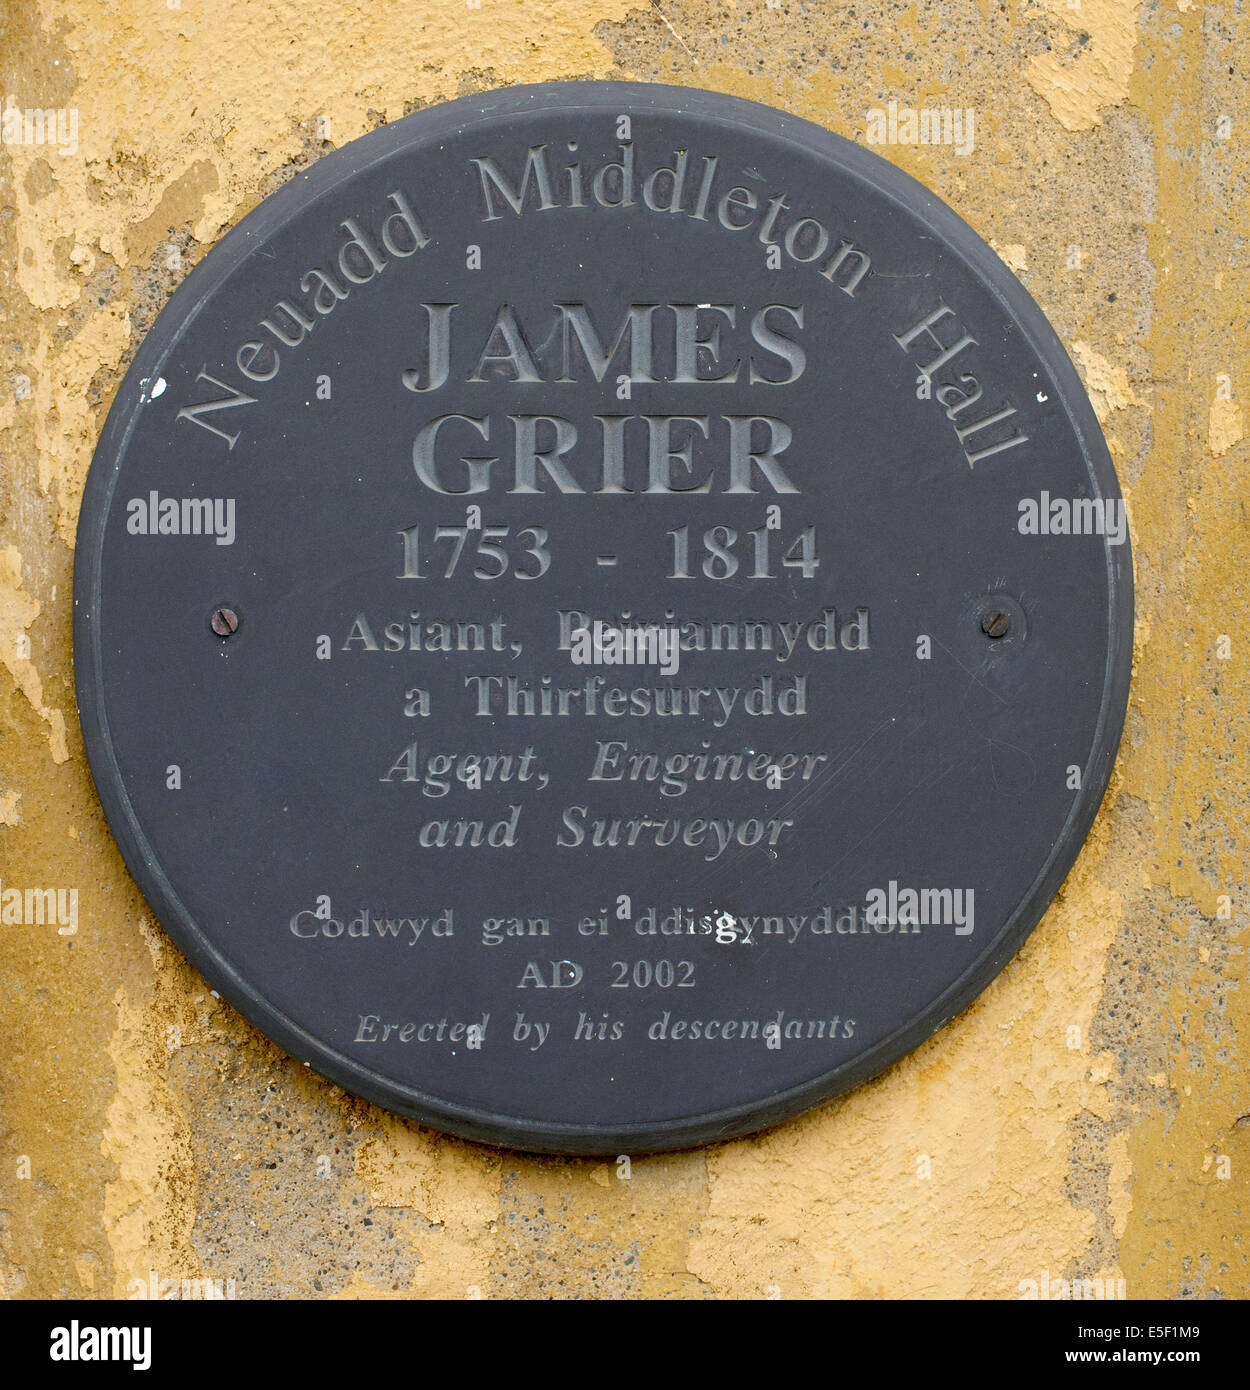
(1087, 1117)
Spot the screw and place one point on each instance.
(224, 622)
(995, 623)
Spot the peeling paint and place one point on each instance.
(1226, 427)
(1074, 1119)
(18, 611)
(1090, 62)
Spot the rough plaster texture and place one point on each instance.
(1089, 1116)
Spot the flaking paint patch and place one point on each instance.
(1225, 427)
(1091, 62)
(231, 100)
(1014, 256)
(454, 1185)
(18, 611)
(1106, 382)
(1120, 1184)
(162, 93)
(61, 413)
(87, 1267)
(182, 202)
(985, 1103)
(596, 1228)
(149, 1207)
(1184, 1236)
(151, 161)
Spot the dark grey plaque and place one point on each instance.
(393, 526)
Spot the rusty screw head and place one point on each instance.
(995, 623)
(224, 622)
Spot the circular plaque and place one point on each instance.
(603, 616)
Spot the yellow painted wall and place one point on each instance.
(145, 1127)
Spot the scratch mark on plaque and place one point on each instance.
(972, 675)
